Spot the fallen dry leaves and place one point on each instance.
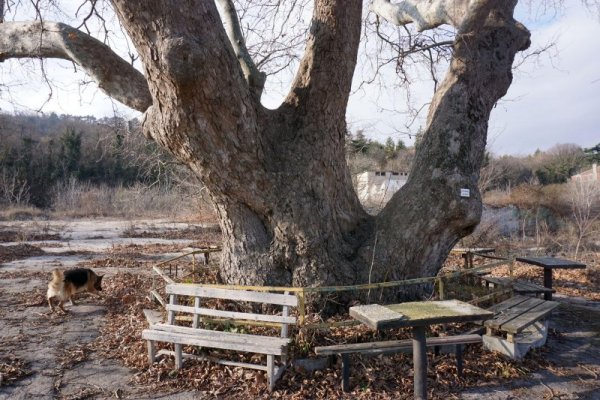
(19, 251)
(12, 369)
(382, 377)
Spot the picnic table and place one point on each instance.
(549, 264)
(418, 315)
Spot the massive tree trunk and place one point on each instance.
(279, 178)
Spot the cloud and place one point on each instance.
(554, 101)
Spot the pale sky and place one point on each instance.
(552, 100)
(555, 99)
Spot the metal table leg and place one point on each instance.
(548, 282)
(420, 363)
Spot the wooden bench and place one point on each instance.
(518, 287)
(514, 316)
(190, 299)
(390, 347)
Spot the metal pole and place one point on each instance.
(420, 363)
(548, 283)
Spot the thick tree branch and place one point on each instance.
(254, 77)
(325, 72)
(114, 76)
(428, 14)
(431, 209)
(203, 111)
(183, 47)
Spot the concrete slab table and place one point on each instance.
(418, 315)
(549, 264)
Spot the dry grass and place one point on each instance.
(16, 213)
(75, 199)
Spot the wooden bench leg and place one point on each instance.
(345, 372)
(151, 352)
(178, 356)
(270, 371)
(459, 359)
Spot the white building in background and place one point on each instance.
(375, 188)
(592, 174)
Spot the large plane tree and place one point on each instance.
(279, 178)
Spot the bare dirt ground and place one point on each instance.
(95, 350)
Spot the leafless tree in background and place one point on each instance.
(584, 197)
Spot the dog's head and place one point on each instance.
(98, 283)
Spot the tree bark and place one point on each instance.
(279, 178)
(424, 220)
(46, 39)
(283, 192)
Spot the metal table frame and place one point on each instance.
(549, 264)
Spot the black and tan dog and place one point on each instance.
(65, 284)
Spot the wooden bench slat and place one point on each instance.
(527, 287)
(504, 316)
(186, 339)
(521, 322)
(220, 335)
(230, 294)
(513, 301)
(518, 286)
(215, 360)
(232, 314)
(395, 345)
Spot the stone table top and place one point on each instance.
(551, 262)
(420, 313)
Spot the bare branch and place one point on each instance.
(254, 77)
(462, 14)
(1, 11)
(114, 76)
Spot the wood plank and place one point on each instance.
(185, 339)
(232, 314)
(518, 286)
(529, 287)
(158, 297)
(162, 274)
(395, 345)
(513, 301)
(215, 360)
(524, 320)
(507, 315)
(220, 335)
(230, 294)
